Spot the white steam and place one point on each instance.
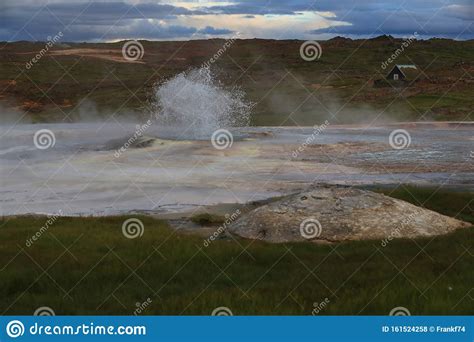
(194, 104)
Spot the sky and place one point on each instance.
(113, 20)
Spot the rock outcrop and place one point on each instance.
(337, 213)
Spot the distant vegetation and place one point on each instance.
(87, 266)
(455, 204)
(207, 219)
(286, 89)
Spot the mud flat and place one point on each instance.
(87, 173)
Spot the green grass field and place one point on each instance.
(458, 204)
(87, 266)
(285, 89)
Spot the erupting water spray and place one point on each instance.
(194, 104)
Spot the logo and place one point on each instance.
(310, 50)
(399, 139)
(399, 311)
(222, 139)
(133, 228)
(15, 329)
(132, 51)
(310, 228)
(44, 139)
(222, 311)
(44, 311)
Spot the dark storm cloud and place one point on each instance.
(428, 18)
(90, 21)
(94, 21)
(209, 30)
(371, 17)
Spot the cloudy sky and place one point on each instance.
(112, 20)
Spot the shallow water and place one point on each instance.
(85, 173)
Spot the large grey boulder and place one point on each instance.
(336, 213)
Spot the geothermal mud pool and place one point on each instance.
(86, 173)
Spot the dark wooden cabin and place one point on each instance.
(401, 72)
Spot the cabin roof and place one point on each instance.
(409, 71)
(405, 66)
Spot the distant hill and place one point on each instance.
(70, 81)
